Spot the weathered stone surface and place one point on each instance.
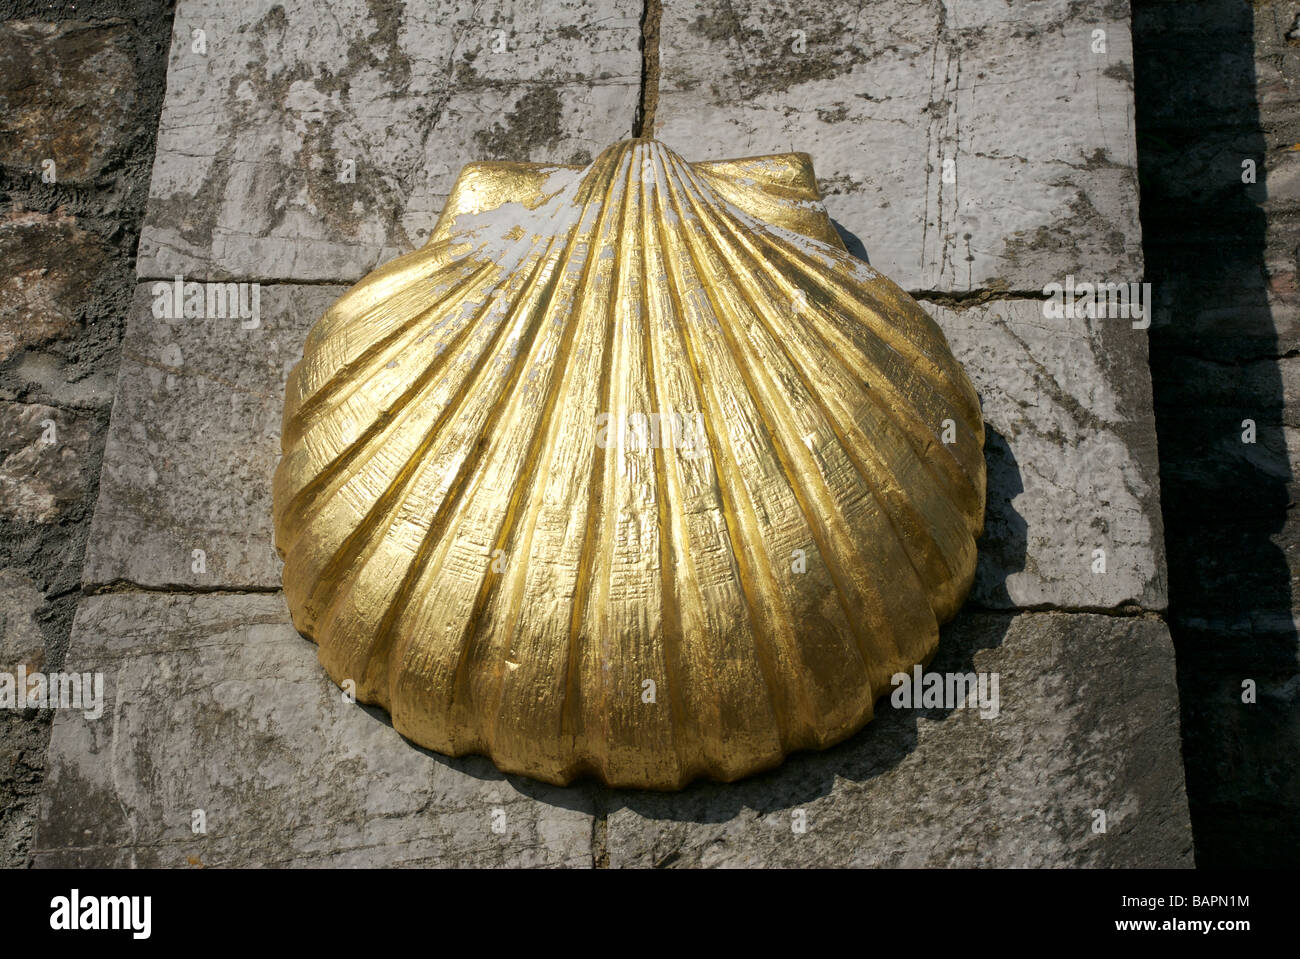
(83, 87)
(1088, 722)
(21, 640)
(214, 703)
(67, 382)
(1223, 241)
(1231, 502)
(44, 462)
(966, 145)
(66, 93)
(257, 132)
(50, 264)
(193, 443)
(1223, 254)
(22, 772)
(1071, 452)
(1241, 724)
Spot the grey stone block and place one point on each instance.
(1088, 723)
(965, 145)
(1071, 451)
(260, 133)
(193, 443)
(214, 703)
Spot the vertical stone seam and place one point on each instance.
(599, 829)
(643, 124)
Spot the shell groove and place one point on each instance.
(630, 470)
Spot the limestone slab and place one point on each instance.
(217, 713)
(194, 440)
(311, 144)
(1070, 445)
(965, 145)
(1085, 739)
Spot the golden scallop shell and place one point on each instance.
(631, 470)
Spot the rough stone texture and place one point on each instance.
(966, 145)
(23, 739)
(1210, 464)
(255, 132)
(58, 327)
(215, 703)
(45, 462)
(83, 85)
(22, 735)
(81, 82)
(1070, 448)
(47, 494)
(1223, 255)
(50, 262)
(1071, 453)
(63, 301)
(21, 639)
(1088, 722)
(193, 444)
(39, 121)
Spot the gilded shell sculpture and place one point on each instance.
(632, 470)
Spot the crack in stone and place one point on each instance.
(1125, 610)
(599, 831)
(174, 589)
(643, 124)
(1236, 361)
(962, 300)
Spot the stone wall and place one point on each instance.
(1219, 94)
(81, 87)
(974, 151)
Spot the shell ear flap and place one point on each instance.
(779, 189)
(488, 184)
